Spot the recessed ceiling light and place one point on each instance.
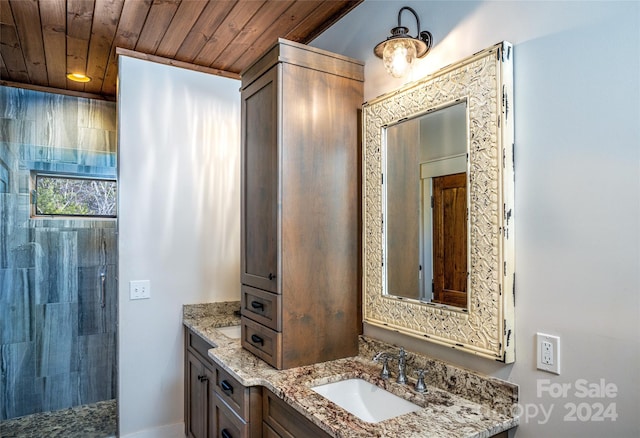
(78, 77)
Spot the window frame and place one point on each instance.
(33, 194)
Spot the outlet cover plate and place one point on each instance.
(139, 289)
(548, 353)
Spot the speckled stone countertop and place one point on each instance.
(203, 319)
(458, 402)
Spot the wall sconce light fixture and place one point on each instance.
(400, 49)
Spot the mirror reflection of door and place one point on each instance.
(425, 207)
(450, 239)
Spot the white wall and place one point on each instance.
(577, 121)
(179, 227)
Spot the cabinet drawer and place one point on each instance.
(286, 421)
(262, 341)
(232, 392)
(196, 344)
(226, 423)
(261, 306)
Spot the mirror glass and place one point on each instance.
(426, 204)
(444, 274)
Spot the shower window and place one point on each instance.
(64, 195)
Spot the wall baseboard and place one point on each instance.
(169, 431)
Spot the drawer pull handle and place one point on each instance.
(257, 305)
(226, 387)
(225, 434)
(271, 276)
(203, 378)
(257, 339)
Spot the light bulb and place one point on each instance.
(398, 57)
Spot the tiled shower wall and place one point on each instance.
(57, 341)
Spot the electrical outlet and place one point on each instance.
(139, 289)
(548, 353)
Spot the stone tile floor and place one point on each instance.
(90, 421)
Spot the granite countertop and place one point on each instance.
(203, 319)
(458, 402)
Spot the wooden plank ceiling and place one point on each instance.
(43, 40)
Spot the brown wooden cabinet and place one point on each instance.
(300, 206)
(216, 404)
(197, 399)
(198, 377)
(219, 406)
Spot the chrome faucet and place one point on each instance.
(402, 365)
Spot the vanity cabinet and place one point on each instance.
(300, 206)
(216, 404)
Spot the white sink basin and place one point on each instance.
(232, 332)
(368, 402)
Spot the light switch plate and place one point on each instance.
(139, 289)
(548, 353)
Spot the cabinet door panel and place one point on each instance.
(260, 183)
(197, 397)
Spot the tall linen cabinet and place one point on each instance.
(300, 205)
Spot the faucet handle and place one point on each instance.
(420, 385)
(384, 357)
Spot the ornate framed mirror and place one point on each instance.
(438, 208)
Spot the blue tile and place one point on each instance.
(59, 391)
(18, 391)
(16, 305)
(56, 339)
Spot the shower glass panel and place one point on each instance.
(58, 294)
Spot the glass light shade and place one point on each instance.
(398, 56)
